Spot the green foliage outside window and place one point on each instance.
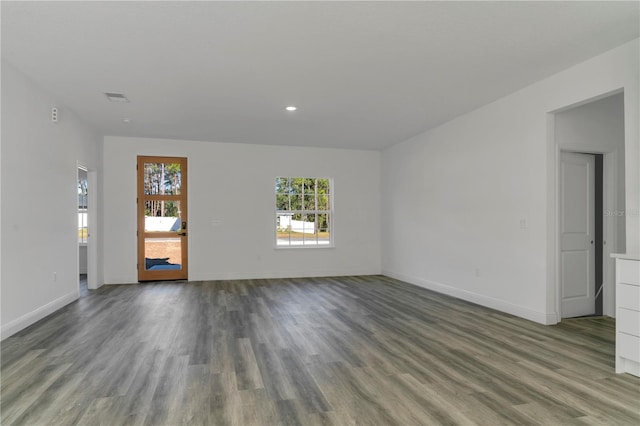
(306, 198)
(303, 212)
(162, 179)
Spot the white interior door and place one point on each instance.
(577, 227)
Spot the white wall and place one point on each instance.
(477, 179)
(39, 201)
(82, 259)
(231, 209)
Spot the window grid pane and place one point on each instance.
(303, 211)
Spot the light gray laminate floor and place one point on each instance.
(337, 351)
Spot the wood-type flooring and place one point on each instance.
(310, 351)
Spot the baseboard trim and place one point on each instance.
(263, 275)
(266, 275)
(486, 301)
(12, 327)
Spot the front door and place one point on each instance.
(577, 236)
(162, 219)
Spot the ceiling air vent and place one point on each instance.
(116, 97)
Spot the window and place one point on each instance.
(303, 212)
(83, 231)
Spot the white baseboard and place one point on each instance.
(489, 302)
(121, 280)
(12, 327)
(265, 275)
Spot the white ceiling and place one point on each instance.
(365, 75)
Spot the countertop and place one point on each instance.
(628, 256)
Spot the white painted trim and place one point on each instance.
(553, 230)
(610, 186)
(36, 315)
(133, 279)
(546, 318)
(92, 249)
(278, 274)
(91, 244)
(557, 238)
(304, 247)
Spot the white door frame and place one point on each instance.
(92, 220)
(609, 232)
(92, 240)
(79, 166)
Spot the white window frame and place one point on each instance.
(330, 213)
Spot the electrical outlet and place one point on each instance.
(523, 223)
(55, 276)
(477, 272)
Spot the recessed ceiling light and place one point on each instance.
(126, 120)
(116, 97)
(291, 108)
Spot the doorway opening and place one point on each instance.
(590, 225)
(83, 230)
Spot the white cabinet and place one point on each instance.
(627, 314)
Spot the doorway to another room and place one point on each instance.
(589, 143)
(83, 231)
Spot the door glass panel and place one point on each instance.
(162, 216)
(162, 178)
(162, 254)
